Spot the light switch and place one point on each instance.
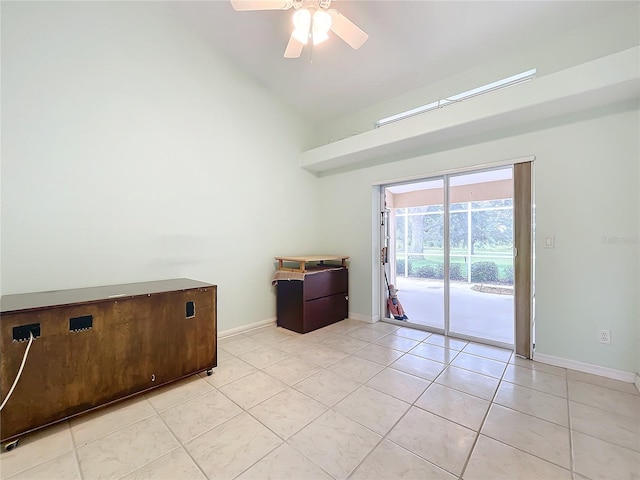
(550, 241)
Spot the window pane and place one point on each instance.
(458, 206)
(492, 232)
(458, 233)
(505, 202)
(400, 221)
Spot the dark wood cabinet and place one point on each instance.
(99, 345)
(316, 299)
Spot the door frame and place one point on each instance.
(523, 326)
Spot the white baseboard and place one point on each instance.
(362, 318)
(637, 382)
(270, 321)
(245, 328)
(587, 368)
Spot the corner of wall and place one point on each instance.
(362, 318)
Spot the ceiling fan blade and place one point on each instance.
(243, 5)
(347, 30)
(294, 48)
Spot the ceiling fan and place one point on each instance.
(312, 19)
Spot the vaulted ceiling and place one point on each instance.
(411, 44)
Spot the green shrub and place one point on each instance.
(455, 272)
(400, 267)
(428, 271)
(424, 271)
(484, 272)
(507, 275)
(414, 263)
(438, 270)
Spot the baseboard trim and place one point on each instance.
(362, 318)
(270, 321)
(245, 328)
(587, 368)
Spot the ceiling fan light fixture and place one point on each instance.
(302, 25)
(319, 37)
(311, 18)
(321, 26)
(301, 35)
(321, 21)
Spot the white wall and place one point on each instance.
(587, 183)
(132, 152)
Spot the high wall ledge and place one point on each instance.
(609, 80)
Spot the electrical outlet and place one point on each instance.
(604, 336)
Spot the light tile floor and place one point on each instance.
(352, 401)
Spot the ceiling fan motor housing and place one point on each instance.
(319, 4)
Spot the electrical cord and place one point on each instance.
(15, 382)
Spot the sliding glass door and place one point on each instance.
(417, 250)
(481, 256)
(449, 252)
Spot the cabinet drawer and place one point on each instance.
(323, 284)
(324, 311)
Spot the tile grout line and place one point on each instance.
(384, 437)
(529, 415)
(387, 366)
(361, 384)
(572, 464)
(285, 441)
(197, 377)
(75, 451)
(156, 414)
(20, 472)
(413, 404)
(180, 446)
(484, 419)
(72, 450)
(537, 372)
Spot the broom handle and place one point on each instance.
(387, 280)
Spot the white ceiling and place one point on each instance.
(411, 44)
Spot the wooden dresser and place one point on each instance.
(312, 294)
(97, 345)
